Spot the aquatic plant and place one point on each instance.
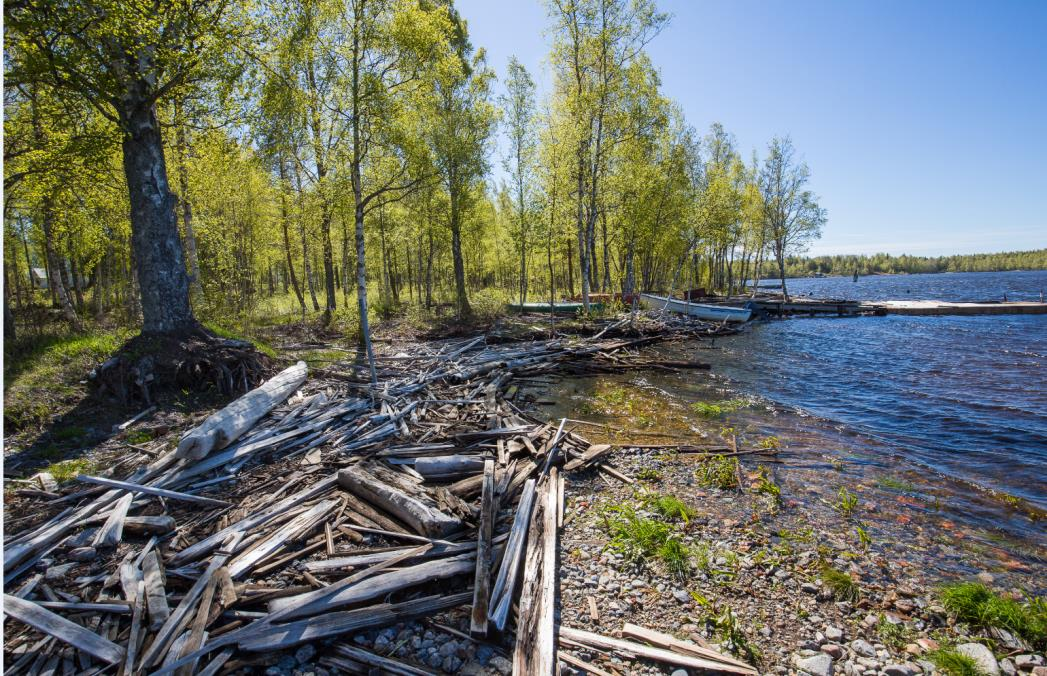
(842, 585)
(765, 485)
(718, 472)
(846, 501)
(895, 484)
(979, 606)
(712, 411)
(953, 663)
(770, 443)
(864, 541)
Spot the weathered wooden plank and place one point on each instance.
(151, 490)
(592, 453)
(546, 630)
(155, 594)
(647, 652)
(482, 580)
(505, 581)
(385, 664)
(114, 608)
(425, 518)
(310, 518)
(112, 531)
(660, 640)
(225, 426)
(62, 629)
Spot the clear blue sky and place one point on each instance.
(924, 123)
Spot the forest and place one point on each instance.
(797, 266)
(334, 162)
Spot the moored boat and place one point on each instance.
(711, 313)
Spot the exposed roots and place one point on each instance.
(149, 367)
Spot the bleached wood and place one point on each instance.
(110, 534)
(482, 580)
(645, 651)
(660, 640)
(155, 594)
(223, 427)
(62, 629)
(151, 490)
(419, 514)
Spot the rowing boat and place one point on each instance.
(712, 313)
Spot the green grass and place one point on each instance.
(977, 605)
(953, 663)
(895, 484)
(842, 585)
(718, 472)
(44, 373)
(766, 485)
(649, 474)
(669, 507)
(676, 558)
(69, 469)
(715, 410)
(641, 539)
(892, 635)
(846, 502)
(229, 334)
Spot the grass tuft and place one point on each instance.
(713, 411)
(669, 507)
(977, 605)
(842, 585)
(953, 663)
(718, 472)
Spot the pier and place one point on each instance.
(940, 307)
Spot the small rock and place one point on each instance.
(927, 644)
(985, 577)
(765, 632)
(809, 588)
(448, 649)
(1028, 662)
(984, 658)
(913, 649)
(834, 634)
(863, 648)
(681, 596)
(680, 672)
(905, 669)
(1039, 671)
(305, 654)
(834, 650)
(502, 665)
(817, 665)
(1007, 667)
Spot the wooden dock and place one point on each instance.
(940, 307)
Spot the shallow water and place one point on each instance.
(941, 418)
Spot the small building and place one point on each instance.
(39, 277)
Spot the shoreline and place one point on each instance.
(757, 550)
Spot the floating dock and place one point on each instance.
(940, 307)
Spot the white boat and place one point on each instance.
(710, 313)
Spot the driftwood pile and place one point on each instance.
(308, 511)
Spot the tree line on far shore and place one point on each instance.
(332, 160)
(882, 263)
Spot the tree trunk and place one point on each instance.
(195, 282)
(429, 274)
(461, 300)
(162, 280)
(54, 263)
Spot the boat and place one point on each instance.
(711, 313)
(559, 308)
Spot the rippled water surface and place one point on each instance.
(964, 396)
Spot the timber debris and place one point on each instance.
(308, 510)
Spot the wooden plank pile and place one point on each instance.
(310, 510)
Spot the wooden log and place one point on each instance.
(647, 652)
(155, 594)
(135, 635)
(62, 629)
(592, 453)
(370, 559)
(325, 625)
(110, 534)
(505, 581)
(223, 427)
(301, 523)
(526, 652)
(384, 665)
(146, 525)
(151, 490)
(482, 583)
(115, 608)
(668, 642)
(581, 664)
(444, 466)
(421, 515)
(546, 629)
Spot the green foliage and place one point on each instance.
(770, 443)
(675, 557)
(712, 411)
(846, 502)
(979, 606)
(69, 469)
(669, 507)
(864, 541)
(842, 585)
(953, 663)
(887, 264)
(648, 474)
(766, 485)
(640, 539)
(718, 472)
(895, 484)
(894, 636)
(726, 626)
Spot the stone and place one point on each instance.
(834, 634)
(681, 596)
(809, 588)
(449, 648)
(985, 577)
(1007, 667)
(816, 665)
(928, 644)
(305, 654)
(501, 665)
(1039, 671)
(904, 669)
(863, 648)
(680, 672)
(1028, 662)
(834, 650)
(982, 656)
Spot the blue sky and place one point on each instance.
(924, 123)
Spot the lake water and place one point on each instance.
(963, 396)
